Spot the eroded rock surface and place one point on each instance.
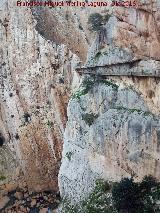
(113, 136)
(36, 77)
(113, 126)
(39, 50)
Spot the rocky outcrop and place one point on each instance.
(113, 122)
(113, 135)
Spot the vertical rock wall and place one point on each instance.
(115, 121)
(36, 77)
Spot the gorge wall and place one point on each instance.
(111, 128)
(113, 122)
(36, 80)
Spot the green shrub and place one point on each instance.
(139, 111)
(67, 207)
(50, 124)
(100, 200)
(69, 155)
(95, 21)
(79, 93)
(89, 118)
(89, 83)
(102, 185)
(109, 83)
(155, 192)
(106, 18)
(147, 184)
(2, 178)
(126, 196)
(98, 54)
(132, 197)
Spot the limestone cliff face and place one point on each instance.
(110, 134)
(112, 129)
(113, 122)
(36, 77)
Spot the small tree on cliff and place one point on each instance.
(131, 197)
(126, 196)
(96, 21)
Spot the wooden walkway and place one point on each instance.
(120, 69)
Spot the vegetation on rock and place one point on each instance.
(132, 110)
(2, 178)
(69, 155)
(99, 201)
(89, 83)
(126, 196)
(96, 21)
(89, 118)
(133, 197)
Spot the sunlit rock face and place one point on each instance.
(36, 77)
(113, 126)
(110, 134)
(39, 50)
